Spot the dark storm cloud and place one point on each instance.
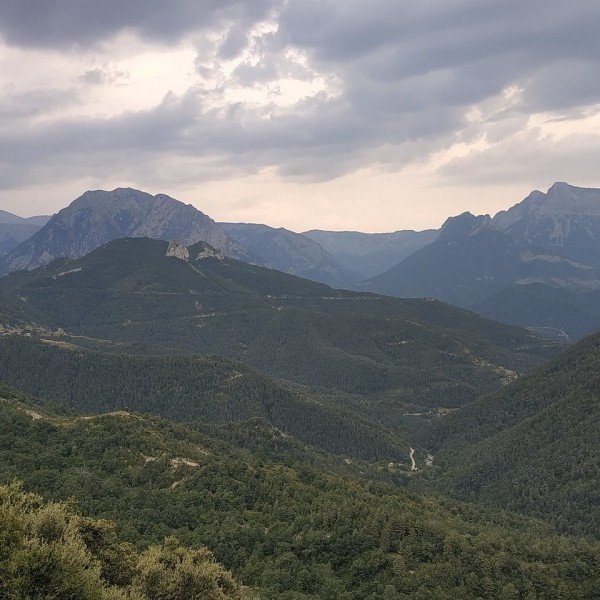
(405, 76)
(564, 86)
(321, 139)
(481, 47)
(411, 71)
(62, 23)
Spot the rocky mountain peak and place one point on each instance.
(565, 199)
(565, 220)
(178, 250)
(464, 225)
(202, 250)
(99, 216)
(561, 200)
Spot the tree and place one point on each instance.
(171, 572)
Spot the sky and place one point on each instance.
(331, 114)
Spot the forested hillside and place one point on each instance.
(50, 551)
(129, 292)
(289, 531)
(194, 389)
(534, 445)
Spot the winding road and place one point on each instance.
(413, 466)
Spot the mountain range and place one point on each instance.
(291, 252)
(15, 229)
(115, 337)
(369, 254)
(321, 443)
(534, 265)
(171, 298)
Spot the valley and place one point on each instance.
(309, 442)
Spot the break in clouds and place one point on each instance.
(310, 89)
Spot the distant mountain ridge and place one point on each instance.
(11, 219)
(99, 216)
(15, 230)
(552, 240)
(497, 266)
(369, 254)
(290, 252)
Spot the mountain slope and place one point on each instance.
(193, 389)
(15, 230)
(290, 252)
(564, 221)
(97, 217)
(498, 266)
(552, 311)
(472, 260)
(369, 254)
(131, 292)
(13, 234)
(289, 530)
(533, 446)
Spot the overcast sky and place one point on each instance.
(373, 115)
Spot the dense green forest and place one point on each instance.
(534, 445)
(293, 410)
(194, 389)
(48, 551)
(288, 530)
(130, 294)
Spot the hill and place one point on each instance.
(130, 292)
(288, 530)
(551, 311)
(196, 389)
(532, 446)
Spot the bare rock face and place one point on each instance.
(203, 251)
(565, 220)
(98, 217)
(178, 250)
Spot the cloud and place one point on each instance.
(324, 88)
(102, 76)
(527, 156)
(32, 103)
(66, 23)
